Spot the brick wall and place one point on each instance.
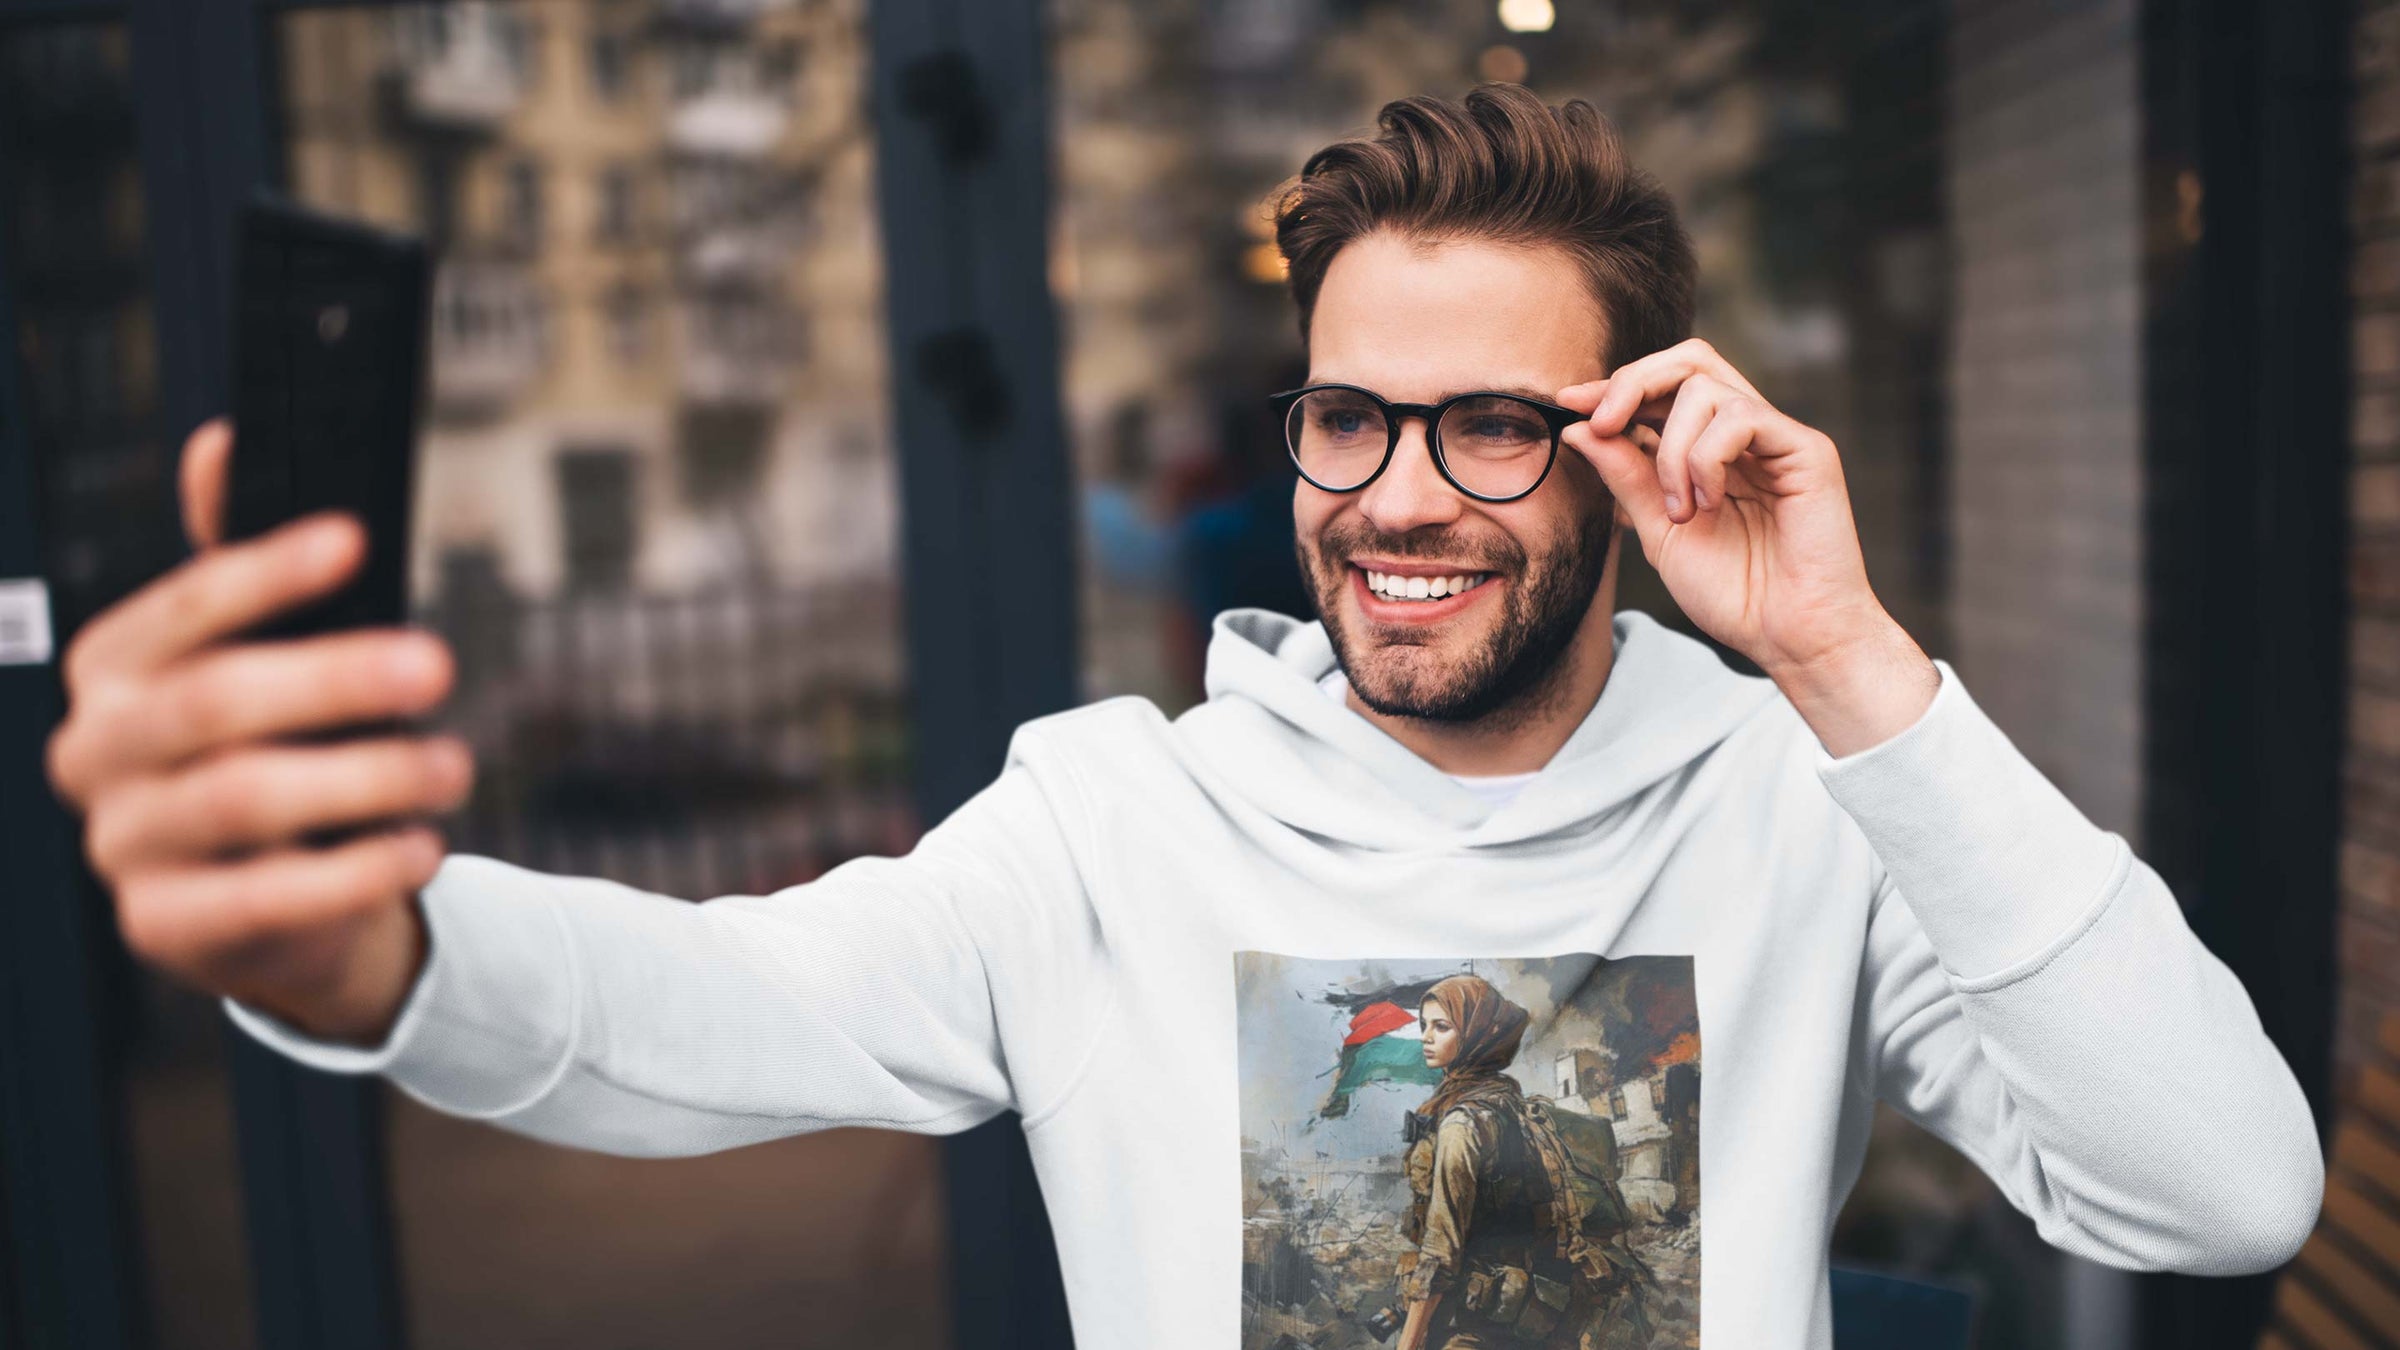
(2370, 903)
(2046, 436)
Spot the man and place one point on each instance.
(1858, 886)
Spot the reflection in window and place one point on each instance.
(657, 521)
(521, 204)
(596, 514)
(615, 214)
(611, 64)
(628, 325)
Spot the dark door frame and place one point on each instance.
(68, 1261)
(962, 136)
(2246, 406)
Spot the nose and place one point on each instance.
(1410, 493)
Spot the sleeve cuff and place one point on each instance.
(1990, 856)
(490, 1025)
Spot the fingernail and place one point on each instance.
(1674, 503)
(1699, 496)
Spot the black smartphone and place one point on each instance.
(328, 376)
(328, 380)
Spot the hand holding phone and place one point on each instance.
(246, 854)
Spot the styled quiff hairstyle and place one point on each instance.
(1501, 167)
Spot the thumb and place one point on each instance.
(206, 454)
(1631, 478)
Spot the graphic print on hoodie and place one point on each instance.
(1544, 1184)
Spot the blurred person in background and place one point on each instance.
(1233, 540)
(1127, 541)
(1468, 754)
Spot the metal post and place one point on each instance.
(962, 157)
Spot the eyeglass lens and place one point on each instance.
(1494, 445)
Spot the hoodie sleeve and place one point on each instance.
(925, 993)
(2032, 994)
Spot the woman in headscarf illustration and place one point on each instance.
(1519, 1237)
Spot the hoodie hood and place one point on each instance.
(1270, 733)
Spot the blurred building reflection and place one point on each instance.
(658, 524)
(657, 488)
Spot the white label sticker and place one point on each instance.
(24, 621)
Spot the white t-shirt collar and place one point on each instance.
(1496, 789)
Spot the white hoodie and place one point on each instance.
(1929, 922)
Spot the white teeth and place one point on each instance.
(1393, 587)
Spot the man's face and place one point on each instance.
(1418, 322)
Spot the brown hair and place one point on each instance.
(1502, 167)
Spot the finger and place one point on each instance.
(1696, 403)
(250, 692)
(1704, 359)
(206, 454)
(1585, 398)
(1630, 478)
(1731, 434)
(270, 795)
(1650, 378)
(217, 594)
(194, 916)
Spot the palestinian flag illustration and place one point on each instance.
(1590, 1064)
(1385, 1044)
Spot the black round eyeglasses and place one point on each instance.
(1493, 447)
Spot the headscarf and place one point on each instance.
(1489, 1028)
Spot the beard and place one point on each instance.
(1506, 675)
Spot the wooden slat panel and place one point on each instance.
(2366, 1161)
(2358, 1148)
(2367, 1294)
(2379, 1096)
(2307, 1314)
(2367, 1222)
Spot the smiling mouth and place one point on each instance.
(1420, 589)
(1393, 598)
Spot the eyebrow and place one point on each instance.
(1520, 390)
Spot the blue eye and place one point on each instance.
(1502, 429)
(1343, 419)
